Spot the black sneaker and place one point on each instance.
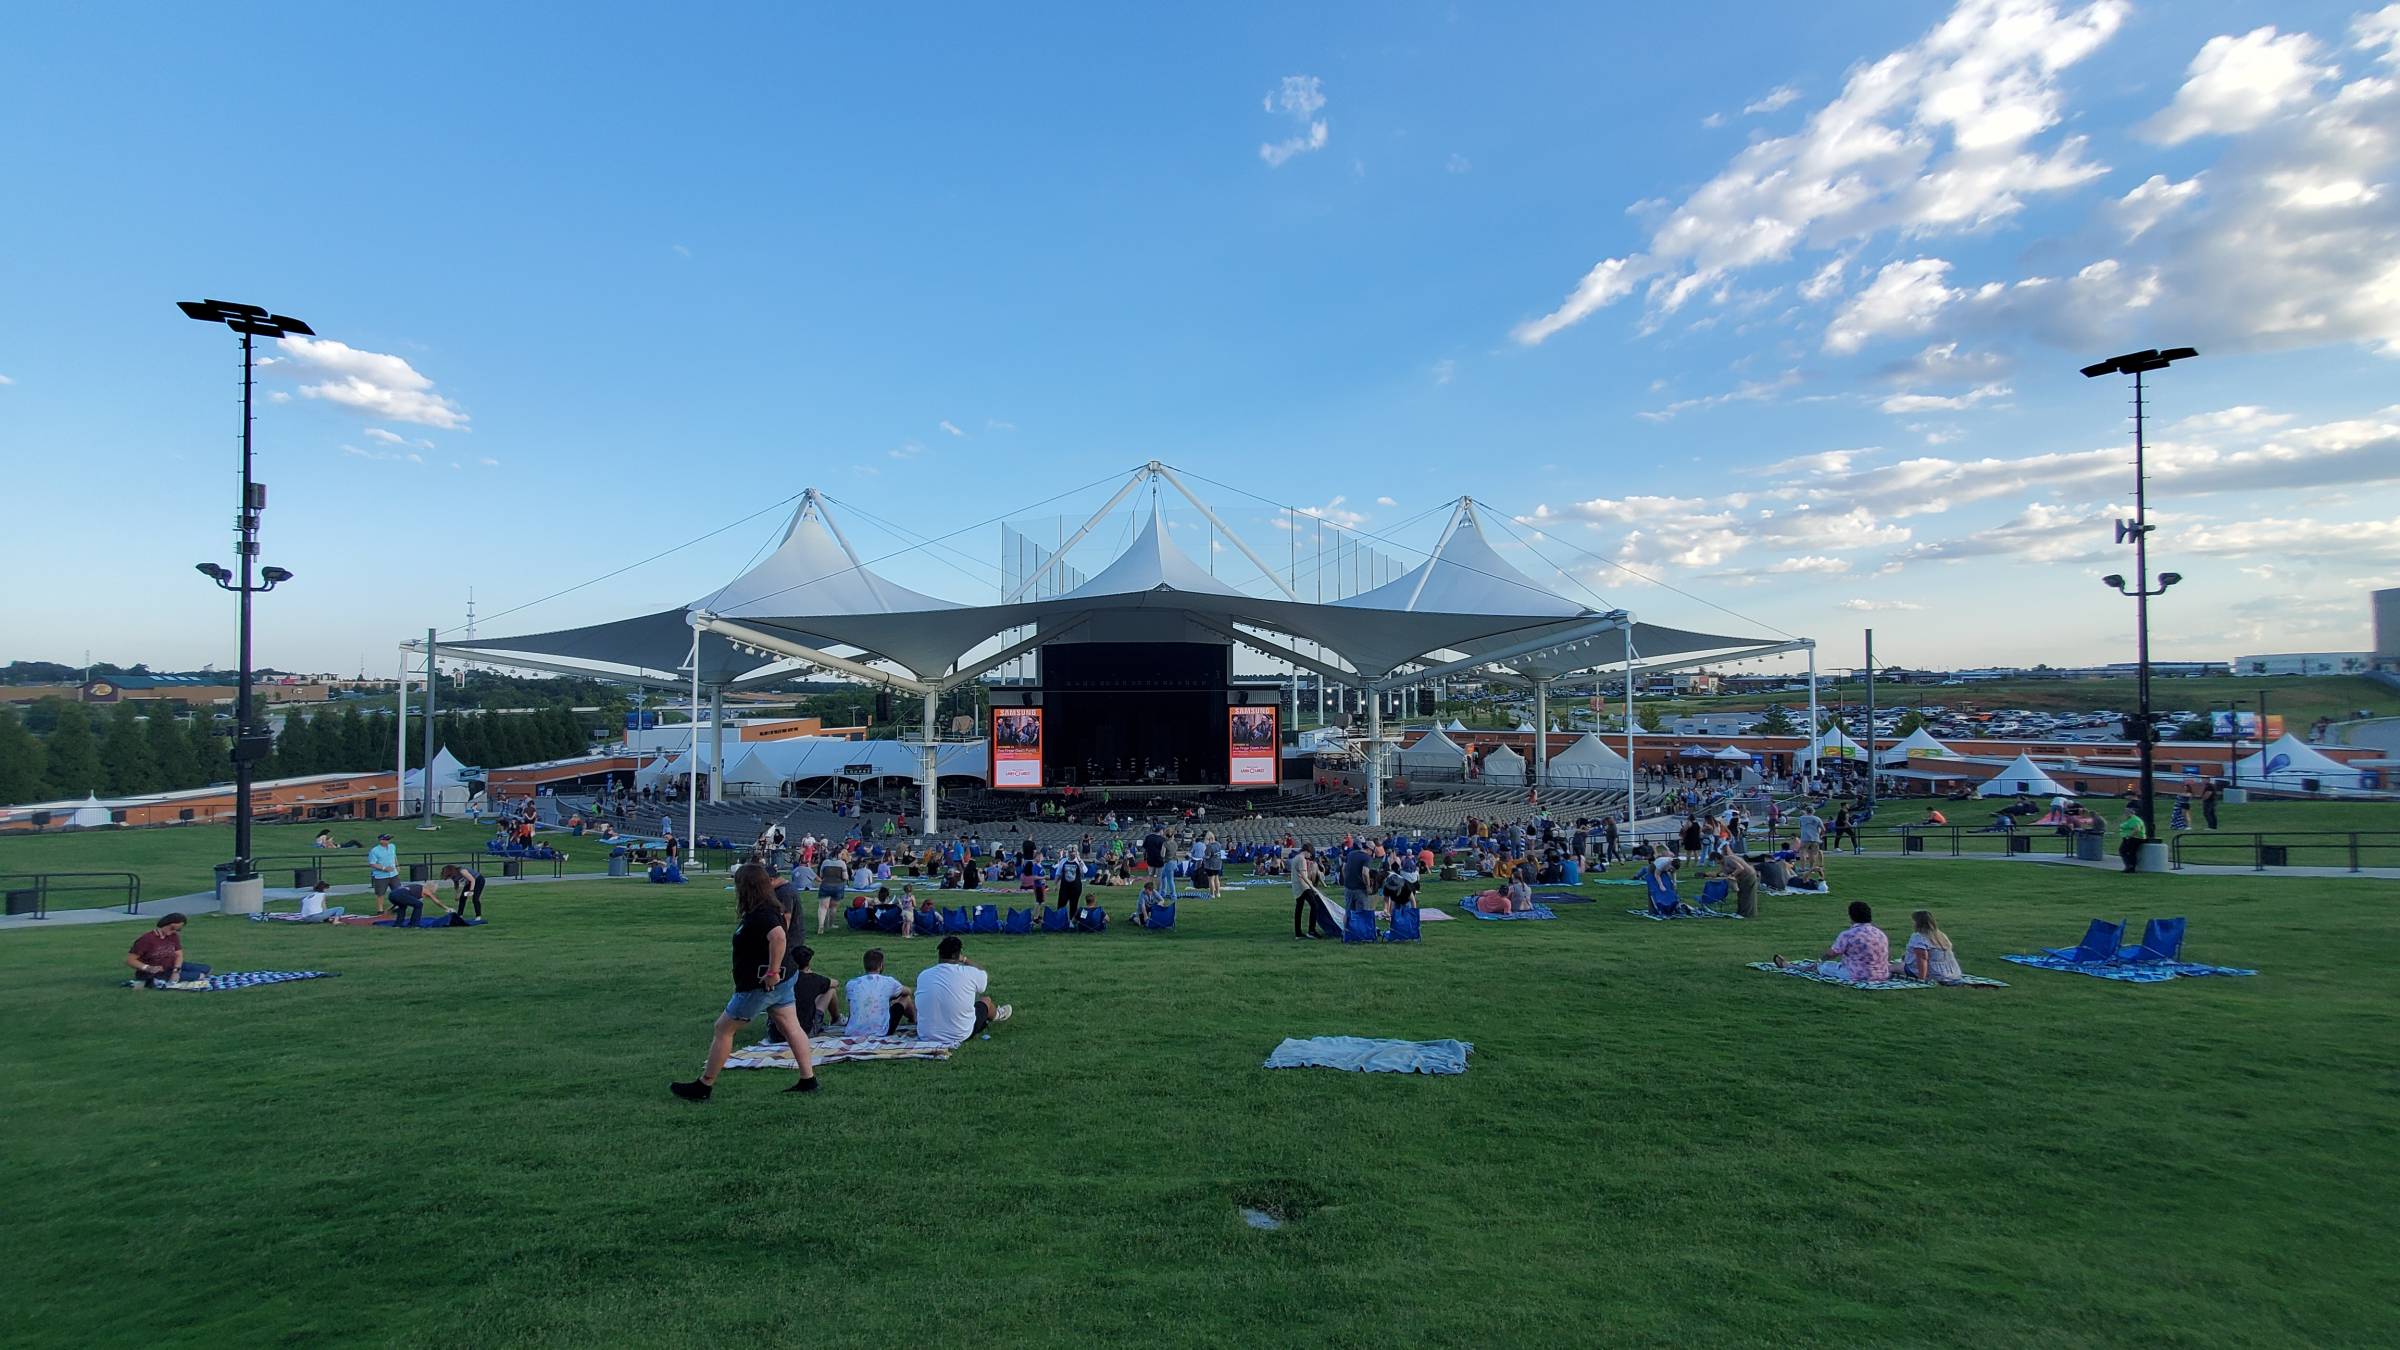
(808, 1084)
(693, 1091)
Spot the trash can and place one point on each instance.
(2087, 846)
(1574, 872)
(305, 878)
(420, 871)
(1912, 843)
(25, 901)
(616, 865)
(2274, 855)
(514, 867)
(2018, 843)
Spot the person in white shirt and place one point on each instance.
(951, 1006)
(879, 1004)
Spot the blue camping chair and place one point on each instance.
(1162, 916)
(2162, 940)
(1358, 925)
(930, 923)
(1018, 921)
(2099, 944)
(1058, 920)
(956, 919)
(1094, 920)
(1663, 899)
(987, 919)
(887, 919)
(1405, 926)
(859, 917)
(1715, 890)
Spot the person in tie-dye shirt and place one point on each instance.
(1862, 954)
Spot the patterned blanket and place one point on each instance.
(2128, 972)
(1807, 970)
(1467, 908)
(837, 1050)
(239, 979)
(1696, 914)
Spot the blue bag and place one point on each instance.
(1358, 925)
(1161, 917)
(859, 917)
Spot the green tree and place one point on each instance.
(2197, 729)
(1910, 721)
(74, 754)
(1777, 722)
(1652, 716)
(212, 753)
(294, 750)
(171, 761)
(360, 752)
(21, 761)
(125, 764)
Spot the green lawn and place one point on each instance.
(175, 859)
(465, 1140)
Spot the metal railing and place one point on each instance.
(1942, 841)
(2350, 850)
(343, 867)
(121, 886)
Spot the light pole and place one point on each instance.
(249, 744)
(2137, 532)
(2233, 762)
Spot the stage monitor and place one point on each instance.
(1253, 746)
(1016, 747)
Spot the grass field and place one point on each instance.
(175, 859)
(465, 1139)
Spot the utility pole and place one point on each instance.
(433, 681)
(1870, 738)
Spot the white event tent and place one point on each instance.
(813, 605)
(2021, 775)
(1919, 744)
(1433, 753)
(1836, 744)
(1589, 762)
(2289, 764)
(1504, 768)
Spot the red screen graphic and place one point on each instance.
(1016, 747)
(1251, 741)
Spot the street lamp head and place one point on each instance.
(249, 319)
(2166, 579)
(274, 575)
(2132, 363)
(2113, 579)
(213, 572)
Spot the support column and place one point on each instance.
(1631, 773)
(1541, 733)
(433, 679)
(400, 745)
(1813, 732)
(691, 765)
(926, 797)
(716, 747)
(1375, 763)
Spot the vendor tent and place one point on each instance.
(2021, 776)
(1732, 754)
(1836, 744)
(1504, 768)
(1588, 762)
(1454, 725)
(1435, 752)
(2292, 765)
(1920, 745)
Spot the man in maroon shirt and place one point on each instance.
(157, 956)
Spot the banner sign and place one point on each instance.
(2226, 726)
(1252, 745)
(641, 719)
(1016, 747)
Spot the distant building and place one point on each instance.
(2306, 663)
(2386, 607)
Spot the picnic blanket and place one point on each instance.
(1807, 970)
(1563, 898)
(1802, 890)
(836, 1050)
(1467, 907)
(333, 915)
(239, 979)
(2128, 972)
(429, 921)
(1357, 1054)
(1697, 914)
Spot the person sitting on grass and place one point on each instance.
(1862, 954)
(1929, 955)
(466, 888)
(1143, 902)
(157, 956)
(759, 986)
(879, 1004)
(324, 839)
(951, 1005)
(312, 905)
(815, 999)
(1520, 895)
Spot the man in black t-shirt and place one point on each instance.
(1154, 855)
(759, 986)
(813, 995)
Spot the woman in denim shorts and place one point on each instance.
(760, 985)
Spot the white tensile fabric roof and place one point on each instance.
(1465, 599)
(772, 762)
(2021, 775)
(2299, 760)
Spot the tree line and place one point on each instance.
(62, 750)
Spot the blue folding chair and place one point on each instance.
(1663, 899)
(1018, 921)
(2099, 945)
(859, 917)
(2162, 940)
(987, 919)
(956, 919)
(930, 923)
(1162, 917)
(1094, 920)
(1058, 920)
(1405, 925)
(1716, 889)
(887, 919)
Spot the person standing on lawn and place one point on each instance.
(2208, 804)
(383, 867)
(759, 986)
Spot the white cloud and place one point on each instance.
(951, 427)
(388, 438)
(906, 450)
(1875, 606)
(1713, 120)
(2235, 84)
(1386, 501)
(1749, 391)
(1827, 280)
(996, 424)
(680, 250)
(1812, 564)
(2379, 30)
(1781, 96)
(369, 381)
(1903, 404)
(1299, 98)
(2242, 420)
(392, 456)
(2042, 532)
(1937, 137)
(489, 462)
(279, 397)
(1334, 513)
(1905, 297)
(5, 381)
(1944, 363)
(1457, 164)
(2156, 199)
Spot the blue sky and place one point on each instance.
(1778, 307)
